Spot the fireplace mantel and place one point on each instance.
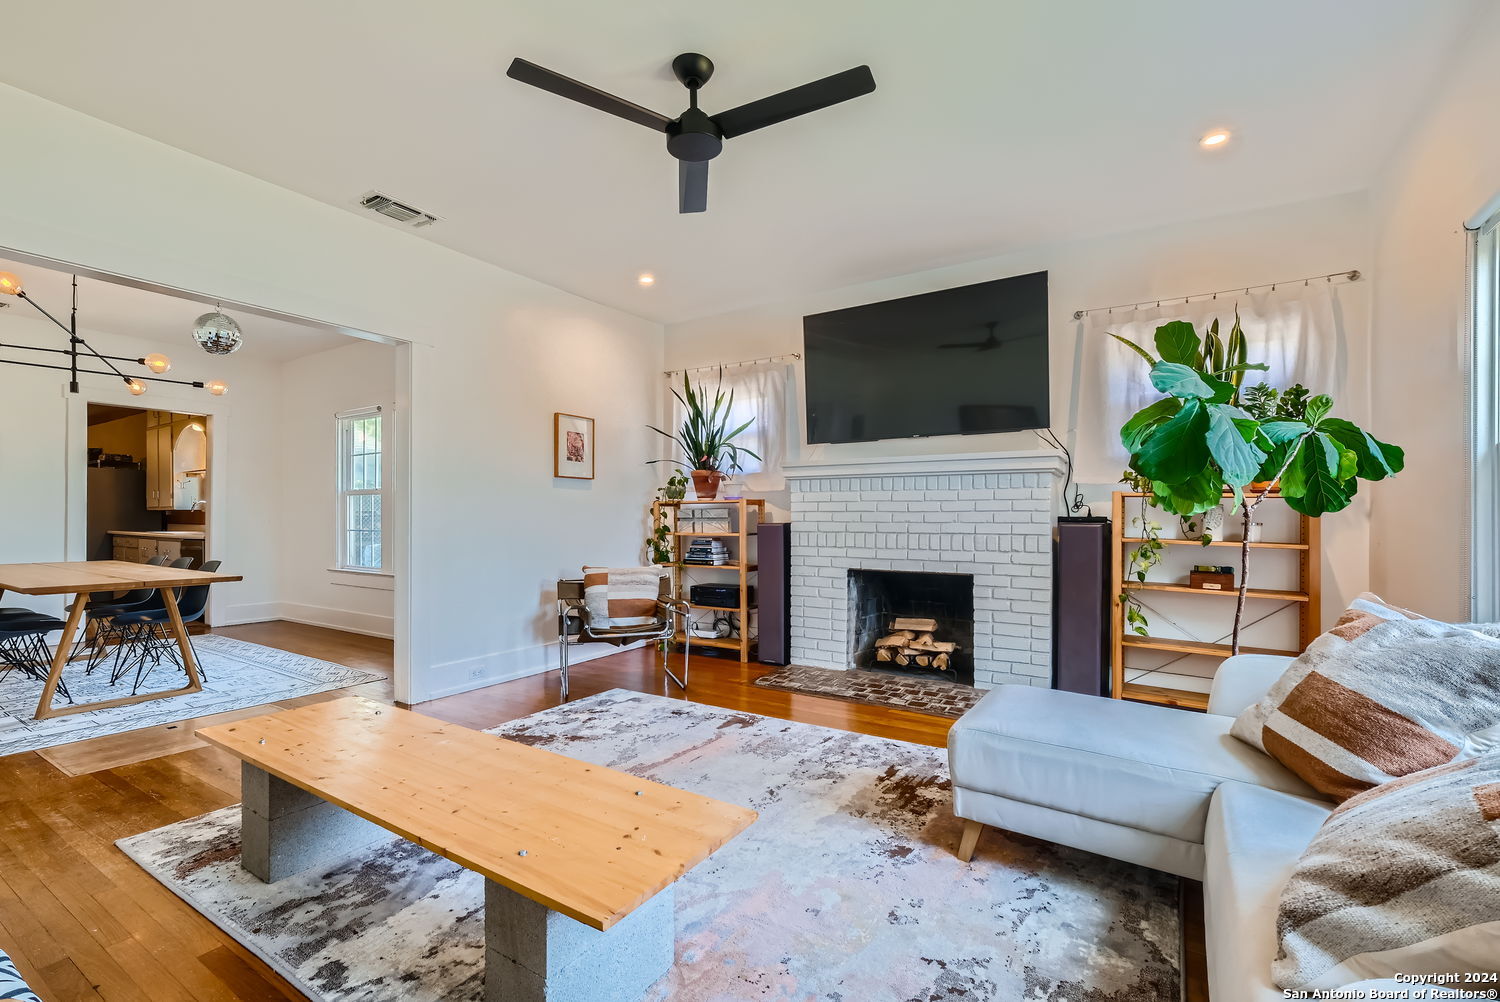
(947, 464)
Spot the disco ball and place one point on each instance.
(217, 334)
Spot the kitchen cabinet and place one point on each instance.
(138, 548)
(158, 460)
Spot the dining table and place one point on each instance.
(84, 579)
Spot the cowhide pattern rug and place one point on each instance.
(846, 890)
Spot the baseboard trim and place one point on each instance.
(468, 674)
(363, 623)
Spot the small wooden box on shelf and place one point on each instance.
(744, 515)
(1305, 598)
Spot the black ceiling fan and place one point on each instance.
(694, 137)
(990, 343)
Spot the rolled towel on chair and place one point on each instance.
(621, 596)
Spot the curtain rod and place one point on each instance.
(730, 365)
(1352, 275)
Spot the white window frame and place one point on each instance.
(1484, 384)
(344, 430)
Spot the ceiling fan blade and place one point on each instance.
(573, 90)
(797, 101)
(692, 186)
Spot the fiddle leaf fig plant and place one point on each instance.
(1201, 439)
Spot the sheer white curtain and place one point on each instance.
(760, 392)
(1298, 330)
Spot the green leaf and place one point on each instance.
(1373, 464)
(1138, 427)
(1176, 449)
(1321, 491)
(1326, 451)
(1283, 431)
(1178, 342)
(1395, 456)
(1249, 429)
(1180, 380)
(1318, 408)
(1213, 348)
(1243, 367)
(1348, 464)
(1238, 459)
(1135, 348)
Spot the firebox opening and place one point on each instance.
(935, 638)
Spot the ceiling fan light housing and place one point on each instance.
(694, 137)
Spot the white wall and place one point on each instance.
(314, 388)
(1448, 169)
(44, 433)
(1269, 245)
(495, 354)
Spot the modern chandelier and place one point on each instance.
(155, 363)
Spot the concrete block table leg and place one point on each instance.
(285, 829)
(534, 954)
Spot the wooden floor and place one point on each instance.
(84, 922)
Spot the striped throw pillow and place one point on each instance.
(1385, 693)
(11, 984)
(1401, 880)
(621, 596)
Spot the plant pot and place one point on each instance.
(1260, 486)
(706, 484)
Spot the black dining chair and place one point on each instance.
(23, 647)
(148, 631)
(101, 632)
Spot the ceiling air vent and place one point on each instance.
(399, 211)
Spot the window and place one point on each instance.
(1484, 390)
(760, 393)
(361, 483)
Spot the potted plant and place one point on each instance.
(1197, 441)
(705, 438)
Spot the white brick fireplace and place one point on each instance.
(989, 516)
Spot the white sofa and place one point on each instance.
(1161, 787)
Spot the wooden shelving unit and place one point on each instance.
(1306, 549)
(745, 515)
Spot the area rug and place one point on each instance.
(878, 688)
(239, 674)
(846, 888)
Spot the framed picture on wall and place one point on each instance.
(572, 446)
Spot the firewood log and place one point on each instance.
(941, 661)
(935, 646)
(919, 625)
(884, 653)
(897, 639)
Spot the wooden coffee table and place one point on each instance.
(84, 578)
(578, 859)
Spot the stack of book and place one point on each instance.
(709, 552)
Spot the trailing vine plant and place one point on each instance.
(1143, 556)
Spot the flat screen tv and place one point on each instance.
(964, 361)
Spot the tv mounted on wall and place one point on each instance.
(963, 361)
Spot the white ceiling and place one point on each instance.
(107, 308)
(995, 125)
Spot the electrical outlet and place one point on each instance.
(475, 674)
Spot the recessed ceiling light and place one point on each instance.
(645, 279)
(1215, 139)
